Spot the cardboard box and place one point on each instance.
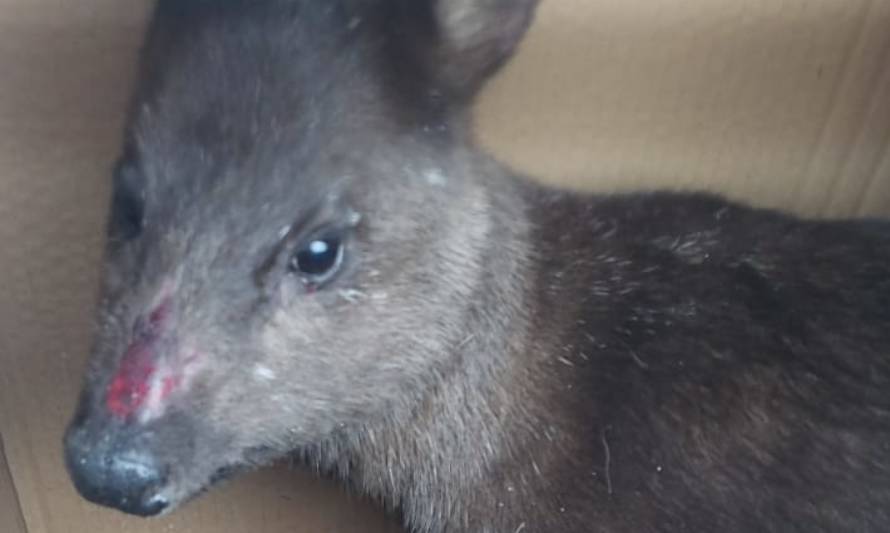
(10, 511)
(780, 102)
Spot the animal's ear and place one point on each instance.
(462, 42)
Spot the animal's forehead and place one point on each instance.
(234, 81)
(271, 97)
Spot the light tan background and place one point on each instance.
(782, 102)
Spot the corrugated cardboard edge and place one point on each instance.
(11, 520)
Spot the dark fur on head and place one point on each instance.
(490, 355)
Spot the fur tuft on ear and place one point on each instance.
(463, 42)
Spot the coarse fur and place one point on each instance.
(493, 355)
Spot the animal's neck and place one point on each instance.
(443, 460)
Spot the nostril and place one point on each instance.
(156, 505)
(136, 478)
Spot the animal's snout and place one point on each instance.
(120, 473)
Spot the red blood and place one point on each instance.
(169, 384)
(129, 388)
(158, 317)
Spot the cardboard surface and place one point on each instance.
(11, 520)
(782, 102)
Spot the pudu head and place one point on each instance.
(295, 238)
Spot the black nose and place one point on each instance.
(118, 476)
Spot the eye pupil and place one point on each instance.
(127, 209)
(318, 259)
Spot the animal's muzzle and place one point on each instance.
(116, 470)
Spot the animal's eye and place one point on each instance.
(318, 259)
(127, 209)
